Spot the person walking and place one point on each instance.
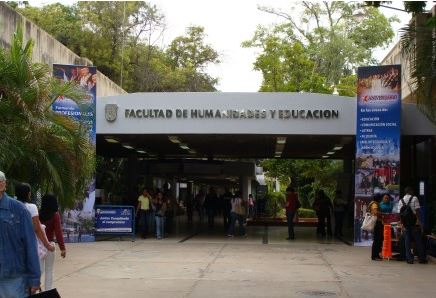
(377, 233)
(322, 205)
(210, 205)
(237, 213)
(251, 206)
(23, 193)
(189, 203)
(292, 204)
(50, 217)
(19, 264)
(143, 209)
(159, 206)
(411, 225)
(227, 208)
(339, 208)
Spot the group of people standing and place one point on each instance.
(323, 207)
(411, 227)
(26, 241)
(155, 211)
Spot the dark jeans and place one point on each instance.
(377, 240)
(339, 222)
(189, 212)
(322, 216)
(290, 219)
(143, 220)
(409, 234)
(227, 219)
(210, 217)
(236, 217)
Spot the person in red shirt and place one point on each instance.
(292, 205)
(50, 217)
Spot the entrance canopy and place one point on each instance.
(235, 125)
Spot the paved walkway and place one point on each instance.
(262, 264)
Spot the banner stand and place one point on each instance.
(115, 221)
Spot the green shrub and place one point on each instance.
(306, 213)
(275, 202)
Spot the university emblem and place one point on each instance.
(111, 112)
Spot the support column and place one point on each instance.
(245, 183)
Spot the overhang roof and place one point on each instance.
(236, 138)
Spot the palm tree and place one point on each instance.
(46, 149)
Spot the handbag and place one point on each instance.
(369, 222)
(53, 293)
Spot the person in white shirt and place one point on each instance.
(413, 231)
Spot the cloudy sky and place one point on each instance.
(227, 24)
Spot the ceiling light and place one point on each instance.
(192, 151)
(325, 156)
(281, 140)
(174, 139)
(330, 152)
(184, 146)
(336, 148)
(141, 151)
(111, 140)
(128, 146)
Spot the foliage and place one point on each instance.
(50, 151)
(306, 175)
(111, 176)
(285, 65)
(305, 195)
(306, 213)
(418, 44)
(322, 48)
(275, 202)
(121, 39)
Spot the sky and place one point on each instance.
(227, 24)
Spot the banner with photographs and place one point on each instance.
(78, 223)
(377, 168)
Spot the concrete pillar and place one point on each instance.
(245, 183)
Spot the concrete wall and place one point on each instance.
(47, 49)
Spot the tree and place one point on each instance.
(192, 55)
(306, 175)
(418, 45)
(39, 146)
(331, 37)
(121, 39)
(284, 63)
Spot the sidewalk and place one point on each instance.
(211, 265)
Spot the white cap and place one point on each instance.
(2, 176)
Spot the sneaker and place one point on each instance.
(229, 235)
(409, 261)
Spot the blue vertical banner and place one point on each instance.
(377, 163)
(78, 224)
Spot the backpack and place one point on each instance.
(407, 217)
